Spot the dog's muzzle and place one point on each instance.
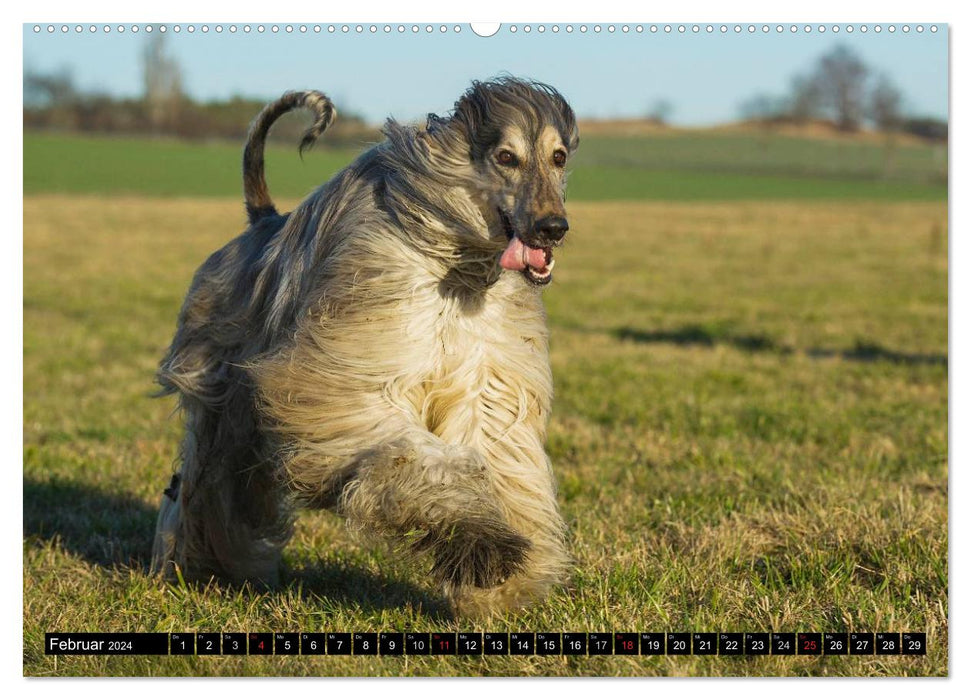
(550, 230)
(532, 254)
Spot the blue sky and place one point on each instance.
(703, 76)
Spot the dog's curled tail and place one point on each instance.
(257, 196)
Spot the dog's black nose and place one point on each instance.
(551, 228)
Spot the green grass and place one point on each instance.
(768, 154)
(678, 167)
(749, 433)
(618, 183)
(122, 165)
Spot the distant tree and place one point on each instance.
(884, 107)
(842, 77)
(806, 98)
(48, 90)
(163, 83)
(762, 108)
(660, 112)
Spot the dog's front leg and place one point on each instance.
(439, 498)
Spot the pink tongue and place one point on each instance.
(517, 256)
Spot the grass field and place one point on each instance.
(673, 167)
(749, 431)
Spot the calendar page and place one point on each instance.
(437, 348)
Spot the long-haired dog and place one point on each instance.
(381, 351)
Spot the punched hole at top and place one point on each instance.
(485, 29)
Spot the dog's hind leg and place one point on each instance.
(224, 514)
(166, 530)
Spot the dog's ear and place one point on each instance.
(472, 116)
(469, 110)
(446, 141)
(569, 131)
(574, 136)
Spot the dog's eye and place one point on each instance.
(559, 158)
(507, 158)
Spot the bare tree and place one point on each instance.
(842, 80)
(884, 106)
(805, 102)
(163, 83)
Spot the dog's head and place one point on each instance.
(520, 136)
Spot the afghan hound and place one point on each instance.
(381, 351)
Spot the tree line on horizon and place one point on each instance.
(53, 102)
(843, 91)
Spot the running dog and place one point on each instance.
(382, 351)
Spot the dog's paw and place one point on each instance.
(480, 553)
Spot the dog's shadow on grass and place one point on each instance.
(113, 530)
(703, 336)
(346, 585)
(698, 335)
(103, 528)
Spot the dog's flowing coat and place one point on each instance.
(369, 354)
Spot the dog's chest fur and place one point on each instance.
(484, 372)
